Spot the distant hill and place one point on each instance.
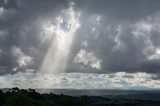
(72, 97)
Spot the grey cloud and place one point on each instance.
(106, 28)
(126, 10)
(133, 52)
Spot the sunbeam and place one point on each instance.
(56, 56)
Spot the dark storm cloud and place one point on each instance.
(18, 28)
(120, 10)
(109, 27)
(130, 55)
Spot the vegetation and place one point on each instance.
(21, 97)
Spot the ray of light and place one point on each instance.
(56, 56)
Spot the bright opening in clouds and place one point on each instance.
(82, 44)
(65, 26)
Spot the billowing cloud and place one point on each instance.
(87, 58)
(22, 59)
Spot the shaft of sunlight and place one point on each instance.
(57, 54)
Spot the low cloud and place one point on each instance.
(88, 59)
(81, 80)
(22, 59)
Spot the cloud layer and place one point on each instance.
(119, 80)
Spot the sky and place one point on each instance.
(80, 44)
